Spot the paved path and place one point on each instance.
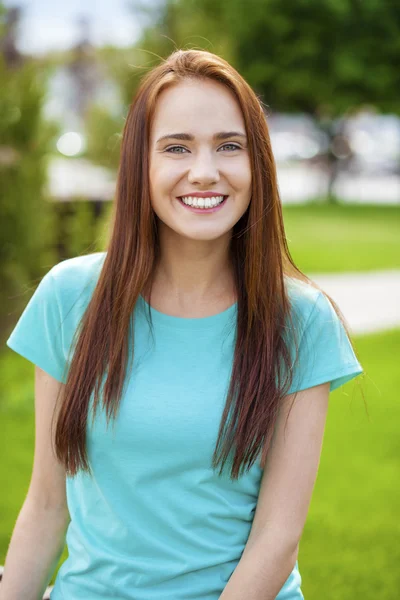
(369, 301)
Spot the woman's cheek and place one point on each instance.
(167, 174)
(239, 174)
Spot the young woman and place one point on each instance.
(188, 368)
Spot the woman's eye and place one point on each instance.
(173, 148)
(234, 146)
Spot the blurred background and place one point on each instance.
(327, 72)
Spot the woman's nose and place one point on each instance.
(203, 169)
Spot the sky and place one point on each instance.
(52, 24)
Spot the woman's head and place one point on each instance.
(198, 144)
(200, 94)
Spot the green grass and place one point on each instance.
(325, 238)
(349, 547)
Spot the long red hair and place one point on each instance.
(261, 372)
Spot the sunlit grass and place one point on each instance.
(348, 547)
(324, 238)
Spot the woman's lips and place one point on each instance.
(209, 210)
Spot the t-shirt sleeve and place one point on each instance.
(325, 351)
(38, 334)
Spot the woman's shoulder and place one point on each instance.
(311, 309)
(302, 295)
(83, 267)
(76, 277)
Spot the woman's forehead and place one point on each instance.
(197, 108)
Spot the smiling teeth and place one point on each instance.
(202, 202)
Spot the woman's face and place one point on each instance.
(199, 161)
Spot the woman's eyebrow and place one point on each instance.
(221, 135)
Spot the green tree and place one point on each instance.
(26, 229)
(298, 54)
(322, 57)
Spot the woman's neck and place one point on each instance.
(193, 284)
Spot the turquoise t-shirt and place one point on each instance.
(155, 522)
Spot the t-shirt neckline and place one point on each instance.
(191, 323)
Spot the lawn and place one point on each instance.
(348, 550)
(324, 238)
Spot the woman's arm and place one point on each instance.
(36, 546)
(38, 538)
(261, 572)
(285, 495)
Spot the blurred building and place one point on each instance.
(8, 42)
(72, 88)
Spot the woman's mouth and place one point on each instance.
(203, 205)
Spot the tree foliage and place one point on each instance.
(299, 55)
(26, 229)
